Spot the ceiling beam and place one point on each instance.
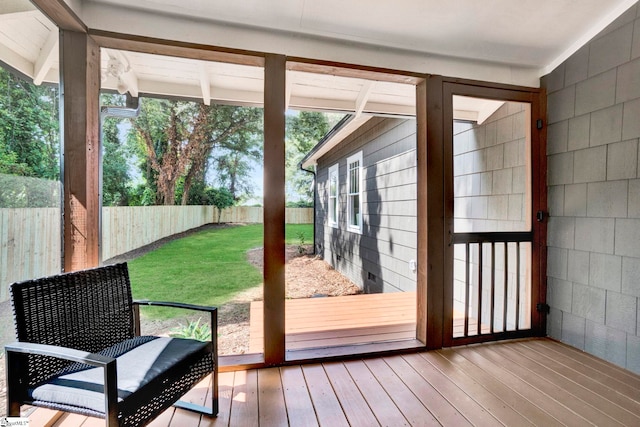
(256, 98)
(61, 14)
(363, 97)
(289, 87)
(11, 58)
(48, 55)
(129, 76)
(205, 84)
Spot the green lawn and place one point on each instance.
(207, 268)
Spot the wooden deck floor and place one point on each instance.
(347, 320)
(344, 320)
(519, 383)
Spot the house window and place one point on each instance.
(354, 186)
(333, 196)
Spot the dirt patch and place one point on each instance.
(306, 276)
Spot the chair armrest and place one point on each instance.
(108, 364)
(65, 353)
(176, 305)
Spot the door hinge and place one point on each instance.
(543, 307)
(539, 123)
(540, 215)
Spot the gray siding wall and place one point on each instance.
(378, 259)
(594, 195)
(490, 194)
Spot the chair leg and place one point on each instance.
(201, 409)
(12, 370)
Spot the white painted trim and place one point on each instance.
(347, 130)
(333, 170)
(357, 157)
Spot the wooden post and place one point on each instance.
(79, 122)
(432, 277)
(422, 209)
(274, 208)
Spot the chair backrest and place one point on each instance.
(87, 310)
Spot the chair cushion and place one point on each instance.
(140, 360)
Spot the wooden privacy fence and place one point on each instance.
(125, 228)
(30, 238)
(30, 245)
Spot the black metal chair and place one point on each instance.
(79, 350)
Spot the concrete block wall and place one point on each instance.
(594, 195)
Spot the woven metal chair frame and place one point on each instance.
(68, 318)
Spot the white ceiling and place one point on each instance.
(504, 41)
(523, 33)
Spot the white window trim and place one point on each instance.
(333, 171)
(357, 157)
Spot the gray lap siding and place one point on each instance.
(378, 259)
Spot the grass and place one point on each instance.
(207, 268)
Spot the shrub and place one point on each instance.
(193, 330)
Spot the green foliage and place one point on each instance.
(177, 141)
(301, 242)
(28, 192)
(29, 128)
(304, 131)
(29, 144)
(192, 330)
(221, 198)
(300, 204)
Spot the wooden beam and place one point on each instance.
(432, 229)
(46, 58)
(274, 208)
(61, 14)
(80, 91)
(421, 211)
(351, 70)
(176, 48)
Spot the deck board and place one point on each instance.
(520, 382)
(340, 321)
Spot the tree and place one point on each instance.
(176, 138)
(29, 127)
(29, 144)
(221, 198)
(115, 169)
(234, 172)
(304, 131)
